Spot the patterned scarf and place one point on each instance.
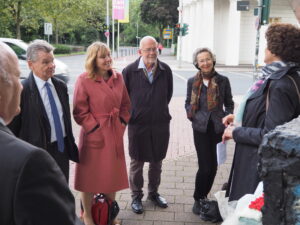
(267, 71)
(212, 93)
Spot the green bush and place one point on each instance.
(62, 49)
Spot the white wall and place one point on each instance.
(248, 35)
(220, 30)
(230, 34)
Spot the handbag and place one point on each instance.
(210, 211)
(104, 210)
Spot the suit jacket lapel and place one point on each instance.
(38, 105)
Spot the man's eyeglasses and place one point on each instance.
(150, 50)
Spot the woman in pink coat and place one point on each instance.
(101, 107)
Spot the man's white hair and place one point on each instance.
(145, 39)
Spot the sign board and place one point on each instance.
(242, 6)
(48, 28)
(167, 33)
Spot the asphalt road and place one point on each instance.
(240, 80)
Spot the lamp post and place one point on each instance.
(257, 24)
(107, 22)
(180, 9)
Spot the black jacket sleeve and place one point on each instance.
(228, 102)
(42, 195)
(188, 95)
(282, 108)
(170, 85)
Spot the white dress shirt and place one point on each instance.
(2, 121)
(44, 95)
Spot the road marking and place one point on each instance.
(180, 77)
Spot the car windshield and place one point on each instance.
(20, 52)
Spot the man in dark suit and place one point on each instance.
(45, 119)
(33, 190)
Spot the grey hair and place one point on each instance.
(37, 46)
(200, 50)
(145, 38)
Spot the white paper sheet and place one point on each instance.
(221, 152)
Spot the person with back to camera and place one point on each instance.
(271, 101)
(33, 190)
(101, 107)
(208, 93)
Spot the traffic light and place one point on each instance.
(177, 29)
(265, 12)
(185, 29)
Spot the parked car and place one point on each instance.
(20, 48)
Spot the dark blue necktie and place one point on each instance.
(57, 124)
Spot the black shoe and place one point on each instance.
(158, 200)
(137, 206)
(196, 208)
(224, 187)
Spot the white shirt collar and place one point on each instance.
(41, 83)
(2, 121)
(142, 64)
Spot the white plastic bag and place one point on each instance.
(225, 208)
(232, 217)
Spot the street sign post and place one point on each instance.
(48, 29)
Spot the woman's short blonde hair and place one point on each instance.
(92, 52)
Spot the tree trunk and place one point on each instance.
(161, 29)
(18, 19)
(56, 31)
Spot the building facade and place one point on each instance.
(231, 34)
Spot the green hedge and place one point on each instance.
(62, 49)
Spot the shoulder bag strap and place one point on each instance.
(296, 86)
(297, 89)
(267, 100)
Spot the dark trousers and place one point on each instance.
(205, 144)
(61, 158)
(136, 179)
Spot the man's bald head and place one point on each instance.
(10, 86)
(146, 39)
(7, 56)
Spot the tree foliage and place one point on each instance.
(162, 13)
(81, 22)
(136, 28)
